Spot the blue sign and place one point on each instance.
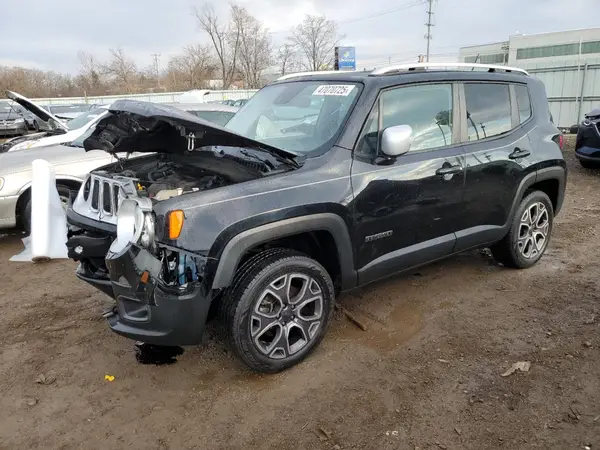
(346, 58)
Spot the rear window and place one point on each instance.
(488, 110)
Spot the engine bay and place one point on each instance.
(160, 177)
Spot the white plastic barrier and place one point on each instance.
(48, 238)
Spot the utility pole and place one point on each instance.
(155, 57)
(429, 24)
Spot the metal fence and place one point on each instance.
(573, 89)
(161, 97)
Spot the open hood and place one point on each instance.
(135, 126)
(36, 109)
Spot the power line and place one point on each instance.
(372, 16)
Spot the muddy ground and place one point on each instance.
(426, 374)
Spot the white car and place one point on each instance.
(68, 132)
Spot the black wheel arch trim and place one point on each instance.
(240, 243)
(548, 173)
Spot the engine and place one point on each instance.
(168, 179)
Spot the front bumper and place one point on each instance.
(146, 309)
(8, 208)
(590, 154)
(12, 128)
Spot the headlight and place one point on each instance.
(135, 224)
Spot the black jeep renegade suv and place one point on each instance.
(319, 184)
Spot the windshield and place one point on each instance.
(83, 119)
(63, 109)
(8, 109)
(301, 117)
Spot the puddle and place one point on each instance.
(156, 354)
(400, 325)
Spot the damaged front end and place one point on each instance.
(158, 291)
(122, 248)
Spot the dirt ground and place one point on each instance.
(426, 374)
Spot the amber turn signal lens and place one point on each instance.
(175, 223)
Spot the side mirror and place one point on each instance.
(395, 141)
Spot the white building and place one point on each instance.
(568, 62)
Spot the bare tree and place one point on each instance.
(316, 39)
(121, 68)
(192, 67)
(255, 46)
(225, 39)
(286, 58)
(90, 73)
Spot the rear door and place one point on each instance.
(406, 209)
(497, 121)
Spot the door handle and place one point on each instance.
(518, 153)
(449, 170)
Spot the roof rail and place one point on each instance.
(408, 67)
(306, 74)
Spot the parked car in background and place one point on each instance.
(213, 112)
(587, 144)
(11, 122)
(33, 122)
(71, 164)
(60, 132)
(241, 102)
(67, 112)
(393, 169)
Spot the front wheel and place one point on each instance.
(529, 234)
(278, 309)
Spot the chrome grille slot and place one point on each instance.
(100, 196)
(95, 195)
(107, 206)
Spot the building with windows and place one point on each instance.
(568, 62)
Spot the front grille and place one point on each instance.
(100, 196)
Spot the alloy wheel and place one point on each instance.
(287, 315)
(533, 230)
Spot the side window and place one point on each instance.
(488, 110)
(426, 108)
(523, 103)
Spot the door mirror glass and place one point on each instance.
(396, 140)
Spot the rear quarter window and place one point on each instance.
(524, 103)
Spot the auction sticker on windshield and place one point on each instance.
(334, 89)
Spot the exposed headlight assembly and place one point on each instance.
(135, 224)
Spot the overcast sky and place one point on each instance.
(47, 34)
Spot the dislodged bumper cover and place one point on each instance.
(148, 311)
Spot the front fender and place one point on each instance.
(238, 245)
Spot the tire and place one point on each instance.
(271, 335)
(63, 191)
(589, 164)
(523, 253)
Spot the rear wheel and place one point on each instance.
(529, 234)
(64, 193)
(277, 309)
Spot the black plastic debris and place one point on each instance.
(156, 354)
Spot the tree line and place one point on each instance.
(237, 52)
